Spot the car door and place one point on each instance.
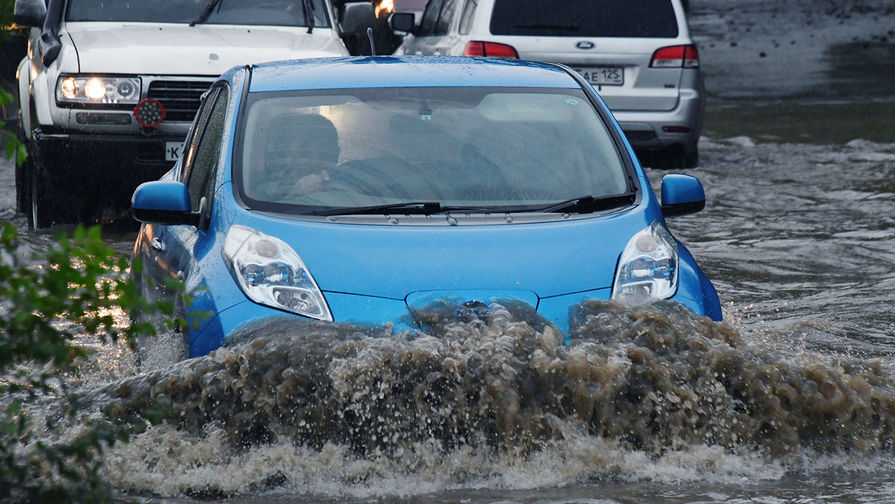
(153, 240)
(185, 246)
(436, 35)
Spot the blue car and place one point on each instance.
(369, 190)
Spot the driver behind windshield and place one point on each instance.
(300, 150)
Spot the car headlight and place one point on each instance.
(272, 274)
(648, 268)
(83, 89)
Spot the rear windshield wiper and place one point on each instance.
(206, 12)
(589, 204)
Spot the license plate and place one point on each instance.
(604, 76)
(172, 150)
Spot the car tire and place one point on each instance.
(690, 156)
(41, 206)
(675, 157)
(160, 350)
(163, 349)
(21, 169)
(181, 343)
(22, 196)
(167, 346)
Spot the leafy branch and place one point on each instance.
(48, 301)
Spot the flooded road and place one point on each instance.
(791, 399)
(800, 240)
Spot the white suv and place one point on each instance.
(108, 90)
(638, 55)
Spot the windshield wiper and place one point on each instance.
(589, 204)
(308, 7)
(206, 12)
(408, 207)
(423, 207)
(581, 204)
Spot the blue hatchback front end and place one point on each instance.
(371, 191)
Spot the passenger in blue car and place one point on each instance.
(300, 152)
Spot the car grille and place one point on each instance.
(180, 98)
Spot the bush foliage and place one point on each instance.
(6, 9)
(12, 146)
(47, 301)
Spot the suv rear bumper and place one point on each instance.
(659, 130)
(108, 167)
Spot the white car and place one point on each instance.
(638, 55)
(108, 90)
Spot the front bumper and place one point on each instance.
(108, 165)
(379, 313)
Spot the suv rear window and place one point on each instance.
(592, 18)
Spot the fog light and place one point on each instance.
(149, 113)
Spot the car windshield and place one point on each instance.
(480, 149)
(593, 18)
(239, 12)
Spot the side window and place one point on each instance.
(201, 173)
(430, 17)
(192, 139)
(467, 16)
(445, 17)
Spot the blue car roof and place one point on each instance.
(405, 71)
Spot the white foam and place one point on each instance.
(740, 141)
(169, 462)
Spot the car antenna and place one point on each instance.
(372, 44)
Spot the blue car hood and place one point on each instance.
(393, 261)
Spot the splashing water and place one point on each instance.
(492, 400)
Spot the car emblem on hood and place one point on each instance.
(585, 44)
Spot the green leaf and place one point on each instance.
(21, 155)
(10, 146)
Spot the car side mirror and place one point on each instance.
(403, 22)
(357, 17)
(682, 195)
(29, 13)
(163, 202)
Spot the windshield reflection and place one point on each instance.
(492, 149)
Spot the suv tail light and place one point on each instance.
(682, 56)
(478, 48)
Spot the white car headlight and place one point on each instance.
(85, 89)
(648, 268)
(272, 274)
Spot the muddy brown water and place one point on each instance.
(790, 399)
